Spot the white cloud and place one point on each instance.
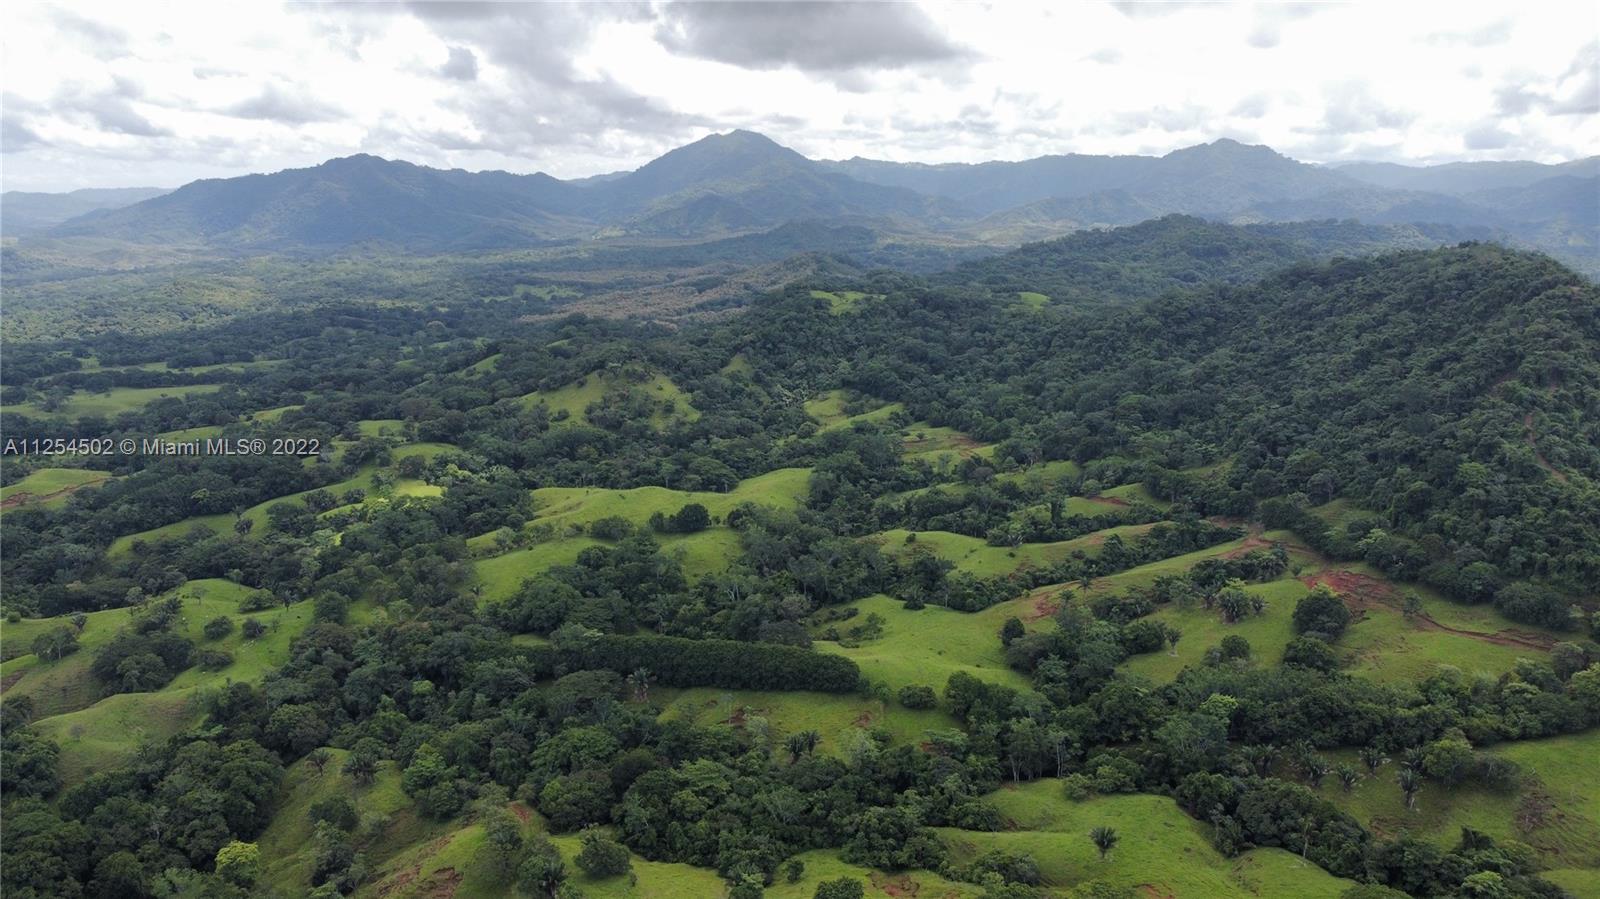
(116, 93)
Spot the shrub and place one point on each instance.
(918, 696)
(218, 627)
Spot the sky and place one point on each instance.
(140, 93)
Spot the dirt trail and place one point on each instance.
(1533, 443)
(17, 499)
(1362, 593)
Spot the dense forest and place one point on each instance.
(511, 543)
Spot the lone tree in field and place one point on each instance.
(1410, 784)
(1104, 839)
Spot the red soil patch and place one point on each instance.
(1362, 593)
(10, 680)
(864, 719)
(523, 813)
(442, 884)
(399, 881)
(1044, 606)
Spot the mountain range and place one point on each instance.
(741, 183)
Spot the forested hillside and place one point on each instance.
(1184, 559)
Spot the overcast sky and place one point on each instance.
(140, 93)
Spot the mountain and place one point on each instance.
(740, 183)
(26, 212)
(1176, 251)
(343, 202)
(1461, 178)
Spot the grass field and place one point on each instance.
(977, 557)
(925, 441)
(196, 433)
(1162, 852)
(219, 523)
(49, 486)
(926, 646)
(1033, 300)
(500, 575)
(575, 398)
(829, 411)
(840, 302)
(110, 403)
(784, 488)
(1557, 813)
(379, 427)
(836, 717)
(96, 732)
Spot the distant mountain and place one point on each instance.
(25, 212)
(1179, 251)
(742, 183)
(1461, 178)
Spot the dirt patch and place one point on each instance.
(900, 886)
(442, 884)
(17, 499)
(1152, 891)
(523, 813)
(1363, 594)
(10, 680)
(399, 881)
(1108, 500)
(864, 719)
(1044, 606)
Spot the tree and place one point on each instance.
(1410, 784)
(1104, 839)
(502, 837)
(917, 696)
(542, 872)
(602, 856)
(840, 888)
(252, 628)
(218, 627)
(1321, 612)
(1012, 630)
(801, 743)
(56, 642)
(1373, 758)
(1348, 776)
(1173, 636)
(318, 758)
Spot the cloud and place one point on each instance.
(1107, 56)
(1497, 32)
(277, 105)
(112, 112)
(102, 38)
(1488, 136)
(820, 38)
(1270, 19)
(16, 137)
(1351, 108)
(461, 66)
(1252, 107)
(1150, 9)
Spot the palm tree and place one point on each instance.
(1410, 784)
(1373, 758)
(1348, 776)
(1103, 838)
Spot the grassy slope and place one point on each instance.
(575, 398)
(50, 486)
(96, 732)
(834, 716)
(1558, 813)
(117, 399)
(928, 645)
(977, 557)
(1161, 849)
(828, 410)
(258, 513)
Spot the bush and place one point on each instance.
(603, 857)
(840, 888)
(1321, 612)
(252, 629)
(218, 627)
(214, 660)
(918, 696)
(1309, 652)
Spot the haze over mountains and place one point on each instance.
(741, 182)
